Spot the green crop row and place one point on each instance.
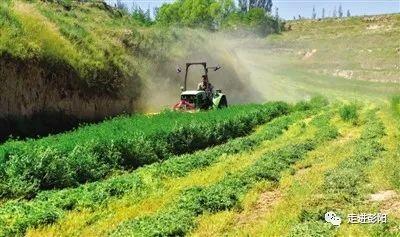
(344, 182)
(90, 153)
(179, 218)
(49, 206)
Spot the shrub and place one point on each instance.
(315, 102)
(349, 113)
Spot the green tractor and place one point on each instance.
(204, 97)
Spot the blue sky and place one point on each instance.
(289, 8)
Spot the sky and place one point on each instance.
(289, 8)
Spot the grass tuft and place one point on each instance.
(349, 113)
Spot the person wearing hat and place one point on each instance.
(205, 85)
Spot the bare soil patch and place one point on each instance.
(390, 202)
(266, 200)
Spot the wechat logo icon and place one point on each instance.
(332, 218)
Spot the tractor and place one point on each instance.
(200, 99)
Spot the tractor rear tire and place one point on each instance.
(223, 103)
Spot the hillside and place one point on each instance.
(67, 56)
(364, 48)
(75, 61)
(78, 63)
(349, 59)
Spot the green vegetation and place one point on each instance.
(28, 31)
(341, 176)
(395, 105)
(349, 113)
(172, 196)
(345, 179)
(179, 218)
(344, 184)
(311, 228)
(251, 170)
(213, 14)
(92, 152)
(49, 206)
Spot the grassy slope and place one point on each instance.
(352, 59)
(88, 37)
(364, 48)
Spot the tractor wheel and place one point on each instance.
(223, 103)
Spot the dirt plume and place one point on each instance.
(163, 84)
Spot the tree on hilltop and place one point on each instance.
(314, 14)
(340, 11)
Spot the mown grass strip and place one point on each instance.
(344, 186)
(268, 209)
(344, 181)
(49, 206)
(382, 177)
(179, 218)
(92, 152)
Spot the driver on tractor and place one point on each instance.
(206, 86)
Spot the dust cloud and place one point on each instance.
(234, 79)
